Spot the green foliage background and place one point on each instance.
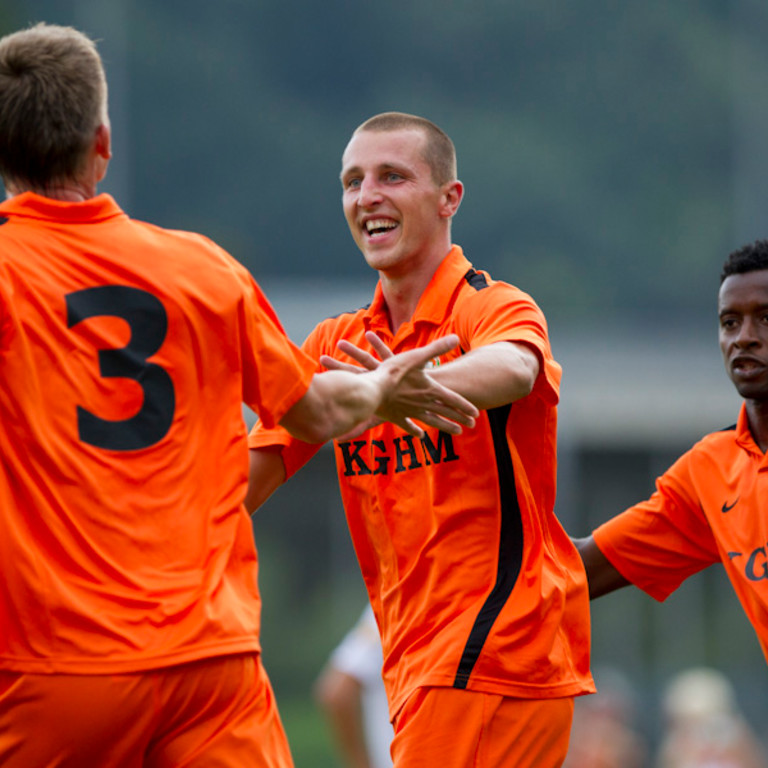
(598, 141)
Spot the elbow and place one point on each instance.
(523, 370)
(520, 384)
(527, 373)
(525, 384)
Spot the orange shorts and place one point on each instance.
(451, 728)
(214, 713)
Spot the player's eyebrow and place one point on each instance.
(348, 171)
(385, 166)
(730, 310)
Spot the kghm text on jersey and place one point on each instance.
(374, 457)
(756, 564)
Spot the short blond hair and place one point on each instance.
(439, 151)
(53, 96)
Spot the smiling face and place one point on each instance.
(743, 311)
(397, 214)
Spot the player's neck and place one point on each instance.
(402, 294)
(66, 192)
(404, 286)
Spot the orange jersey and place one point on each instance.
(472, 579)
(709, 506)
(126, 351)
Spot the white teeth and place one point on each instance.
(373, 225)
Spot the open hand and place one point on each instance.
(409, 392)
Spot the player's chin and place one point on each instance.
(753, 388)
(376, 259)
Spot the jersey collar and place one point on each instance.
(744, 436)
(434, 304)
(33, 206)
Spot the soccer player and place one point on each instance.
(710, 506)
(128, 574)
(479, 594)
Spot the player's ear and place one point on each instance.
(102, 148)
(452, 194)
(103, 141)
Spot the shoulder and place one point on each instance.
(720, 440)
(185, 239)
(345, 325)
(479, 288)
(13, 231)
(712, 449)
(486, 310)
(477, 279)
(192, 251)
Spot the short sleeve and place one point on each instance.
(659, 543)
(502, 312)
(295, 453)
(276, 373)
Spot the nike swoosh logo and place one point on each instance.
(725, 508)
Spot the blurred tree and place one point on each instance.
(595, 140)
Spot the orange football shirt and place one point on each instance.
(709, 507)
(472, 579)
(126, 351)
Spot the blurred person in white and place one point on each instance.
(604, 734)
(704, 725)
(350, 691)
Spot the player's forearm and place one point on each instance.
(335, 402)
(601, 574)
(266, 473)
(491, 376)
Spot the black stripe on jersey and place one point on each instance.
(510, 548)
(3, 220)
(476, 280)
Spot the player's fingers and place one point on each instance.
(432, 419)
(366, 359)
(410, 427)
(454, 413)
(440, 346)
(453, 400)
(381, 349)
(449, 402)
(332, 364)
(418, 404)
(420, 356)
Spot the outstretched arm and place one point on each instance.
(491, 375)
(397, 390)
(601, 575)
(488, 376)
(338, 401)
